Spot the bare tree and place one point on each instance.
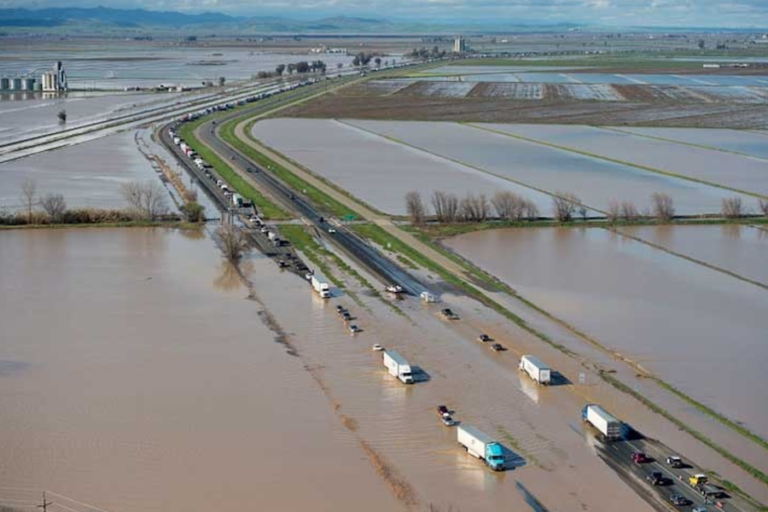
(29, 196)
(529, 210)
(446, 206)
(732, 208)
(763, 205)
(233, 242)
(564, 205)
(507, 205)
(663, 207)
(146, 199)
(415, 207)
(613, 212)
(474, 208)
(583, 212)
(451, 208)
(628, 211)
(54, 205)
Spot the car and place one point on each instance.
(699, 509)
(639, 458)
(498, 347)
(339, 308)
(679, 501)
(378, 348)
(447, 420)
(281, 264)
(656, 478)
(449, 314)
(394, 288)
(354, 329)
(484, 338)
(346, 316)
(674, 461)
(308, 276)
(331, 231)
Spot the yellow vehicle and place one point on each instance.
(697, 480)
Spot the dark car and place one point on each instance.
(449, 314)
(498, 347)
(442, 410)
(656, 478)
(340, 309)
(679, 501)
(484, 338)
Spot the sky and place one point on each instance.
(691, 13)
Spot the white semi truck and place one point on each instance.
(321, 287)
(398, 366)
(481, 446)
(607, 425)
(536, 369)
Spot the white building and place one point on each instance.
(459, 44)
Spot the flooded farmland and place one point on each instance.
(378, 171)
(716, 167)
(597, 182)
(88, 174)
(151, 384)
(741, 141)
(696, 328)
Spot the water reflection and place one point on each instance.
(230, 277)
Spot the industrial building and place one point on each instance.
(54, 80)
(459, 45)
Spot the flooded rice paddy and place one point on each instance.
(596, 181)
(88, 174)
(374, 169)
(716, 167)
(739, 141)
(151, 384)
(698, 329)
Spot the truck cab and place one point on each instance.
(406, 374)
(494, 457)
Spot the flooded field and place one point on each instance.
(87, 174)
(376, 170)
(696, 328)
(734, 248)
(597, 182)
(151, 385)
(740, 141)
(730, 170)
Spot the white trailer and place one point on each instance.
(481, 446)
(319, 286)
(398, 366)
(607, 425)
(536, 369)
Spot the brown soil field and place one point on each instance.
(643, 111)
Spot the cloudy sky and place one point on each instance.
(711, 13)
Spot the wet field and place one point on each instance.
(717, 167)
(740, 141)
(698, 329)
(378, 171)
(88, 174)
(151, 384)
(596, 181)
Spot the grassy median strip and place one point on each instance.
(266, 208)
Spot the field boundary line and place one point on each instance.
(614, 160)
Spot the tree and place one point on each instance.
(446, 206)
(507, 205)
(474, 208)
(702, 44)
(415, 207)
(147, 200)
(614, 209)
(193, 211)
(663, 208)
(232, 241)
(222, 81)
(628, 211)
(732, 208)
(29, 196)
(280, 69)
(291, 68)
(763, 205)
(302, 67)
(377, 60)
(356, 61)
(62, 115)
(564, 205)
(54, 205)
(530, 210)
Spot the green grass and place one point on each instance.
(266, 208)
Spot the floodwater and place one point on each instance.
(696, 328)
(738, 249)
(597, 182)
(740, 141)
(735, 171)
(378, 171)
(135, 376)
(88, 174)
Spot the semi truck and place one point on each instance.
(237, 200)
(398, 366)
(607, 425)
(321, 287)
(481, 446)
(536, 369)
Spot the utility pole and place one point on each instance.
(46, 503)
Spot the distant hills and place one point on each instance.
(139, 21)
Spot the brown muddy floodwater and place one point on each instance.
(699, 329)
(136, 376)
